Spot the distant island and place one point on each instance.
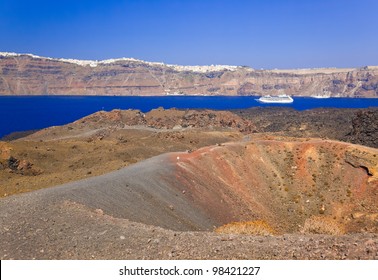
(26, 74)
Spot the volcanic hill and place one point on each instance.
(188, 184)
(275, 186)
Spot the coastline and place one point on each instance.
(40, 111)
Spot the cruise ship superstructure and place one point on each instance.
(276, 99)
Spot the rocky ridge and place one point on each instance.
(357, 126)
(102, 123)
(23, 74)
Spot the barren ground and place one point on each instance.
(189, 185)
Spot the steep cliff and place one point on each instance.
(22, 74)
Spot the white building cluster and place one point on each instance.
(95, 63)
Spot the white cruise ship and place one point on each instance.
(276, 99)
(320, 96)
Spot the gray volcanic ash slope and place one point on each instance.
(317, 186)
(144, 192)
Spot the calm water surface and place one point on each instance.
(35, 112)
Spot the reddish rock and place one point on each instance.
(32, 75)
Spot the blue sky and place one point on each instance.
(261, 34)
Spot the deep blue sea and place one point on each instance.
(34, 112)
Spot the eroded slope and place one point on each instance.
(296, 186)
(107, 141)
(286, 183)
(283, 182)
(32, 75)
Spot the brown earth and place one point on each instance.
(72, 231)
(31, 75)
(296, 187)
(313, 198)
(107, 141)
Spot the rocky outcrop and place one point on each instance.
(365, 128)
(33, 75)
(103, 123)
(359, 126)
(14, 165)
(22, 167)
(175, 119)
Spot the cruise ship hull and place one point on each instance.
(275, 99)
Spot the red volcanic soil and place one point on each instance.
(285, 183)
(291, 186)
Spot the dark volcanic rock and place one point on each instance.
(22, 167)
(351, 125)
(365, 128)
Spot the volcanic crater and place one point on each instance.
(258, 184)
(289, 184)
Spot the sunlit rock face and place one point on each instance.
(288, 184)
(34, 75)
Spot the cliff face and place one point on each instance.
(33, 75)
